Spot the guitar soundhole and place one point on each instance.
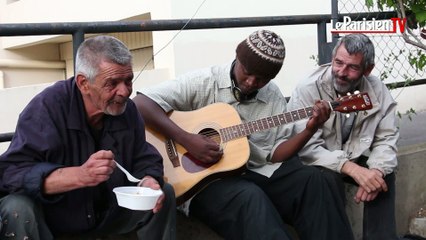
(211, 133)
(193, 165)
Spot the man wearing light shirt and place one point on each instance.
(359, 147)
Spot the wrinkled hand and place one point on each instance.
(370, 180)
(363, 196)
(320, 115)
(202, 148)
(152, 183)
(97, 168)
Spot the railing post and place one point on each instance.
(334, 19)
(324, 48)
(77, 39)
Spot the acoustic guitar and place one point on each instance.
(221, 122)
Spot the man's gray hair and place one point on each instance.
(357, 43)
(94, 50)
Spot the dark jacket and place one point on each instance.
(52, 132)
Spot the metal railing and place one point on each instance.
(78, 29)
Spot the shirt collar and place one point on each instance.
(224, 81)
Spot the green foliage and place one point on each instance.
(419, 11)
(409, 113)
(388, 68)
(417, 60)
(415, 10)
(315, 58)
(369, 3)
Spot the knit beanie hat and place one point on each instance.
(262, 53)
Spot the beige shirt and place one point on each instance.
(374, 132)
(201, 88)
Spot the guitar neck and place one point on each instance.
(241, 130)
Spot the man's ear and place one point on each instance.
(82, 83)
(368, 70)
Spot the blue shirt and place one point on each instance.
(53, 132)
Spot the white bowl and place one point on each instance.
(137, 198)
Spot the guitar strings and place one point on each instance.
(212, 134)
(257, 125)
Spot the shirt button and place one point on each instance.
(89, 216)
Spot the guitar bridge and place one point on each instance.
(172, 152)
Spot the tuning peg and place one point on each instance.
(356, 92)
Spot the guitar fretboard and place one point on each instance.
(244, 129)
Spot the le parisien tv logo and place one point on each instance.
(389, 26)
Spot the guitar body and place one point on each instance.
(186, 174)
(221, 123)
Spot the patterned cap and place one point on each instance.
(262, 53)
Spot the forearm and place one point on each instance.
(156, 118)
(369, 179)
(383, 157)
(151, 112)
(291, 147)
(62, 180)
(348, 168)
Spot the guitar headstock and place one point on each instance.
(352, 103)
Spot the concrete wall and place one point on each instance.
(410, 190)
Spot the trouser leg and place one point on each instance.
(22, 219)
(379, 214)
(163, 224)
(238, 209)
(148, 226)
(336, 188)
(305, 201)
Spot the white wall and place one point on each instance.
(201, 48)
(12, 102)
(52, 11)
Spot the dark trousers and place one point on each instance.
(238, 209)
(23, 219)
(378, 215)
(304, 200)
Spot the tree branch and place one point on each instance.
(408, 34)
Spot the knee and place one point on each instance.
(250, 192)
(17, 206)
(312, 174)
(22, 218)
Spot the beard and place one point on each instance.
(115, 109)
(344, 85)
